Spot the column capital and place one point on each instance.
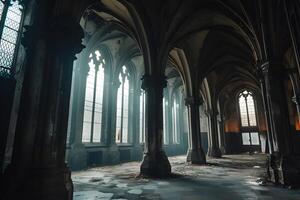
(63, 36)
(221, 118)
(262, 68)
(193, 101)
(270, 69)
(153, 81)
(296, 98)
(211, 112)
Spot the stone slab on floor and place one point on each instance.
(233, 177)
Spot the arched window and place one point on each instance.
(142, 117)
(11, 17)
(250, 135)
(92, 121)
(247, 109)
(122, 107)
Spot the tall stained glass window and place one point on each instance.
(248, 118)
(92, 121)
(122, 107)
(11, 17)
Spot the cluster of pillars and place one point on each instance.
(283, 162)
(38, 169)
(155, 162)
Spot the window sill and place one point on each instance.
(124, 145)
(91, 145)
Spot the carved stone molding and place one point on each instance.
(296, 99)
(63, 35)
(263, 68)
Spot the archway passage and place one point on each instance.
(103, 91)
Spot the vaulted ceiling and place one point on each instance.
(220, 40)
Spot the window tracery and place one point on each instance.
(92, 122)
(10, 23)
(250, 135)
(122, 107)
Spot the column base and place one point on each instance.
(38, 183)
(284, 170)
(196, 156)
(214, 152)
(77, 157)
(155, 165)
(223, 150)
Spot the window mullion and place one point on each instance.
(122, 108)
(94, 102)
(248, 119)
(143, 122)
(3, 17)
(18, 39)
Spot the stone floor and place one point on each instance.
(232, 177)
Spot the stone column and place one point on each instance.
(135, 106)
(292, 13)
(168, 117)
(213, 141)
(277, 107)
(195, 153)
(38, 169)
(106, 107)
(77, 155)
(155, 162)
(7, 88)
(112, 154)
(183, 141)
(266, 109)
(283, 165)
(221, 127)
(132, 131)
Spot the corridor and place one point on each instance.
(233, 177)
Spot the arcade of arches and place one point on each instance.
(91, 83)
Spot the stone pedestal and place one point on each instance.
(196, 156)
(223, 150)
(284, 170)
(41, 183)
(214, 152)
(213, 148)
(156, 165)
